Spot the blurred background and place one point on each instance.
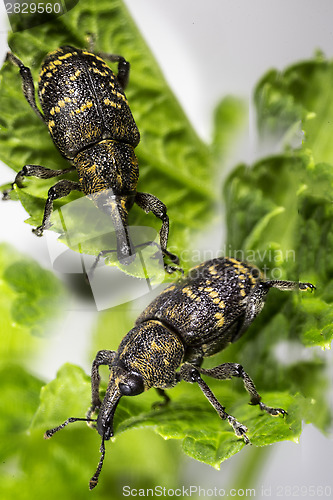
(208, 50)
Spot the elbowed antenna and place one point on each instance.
(94, 480)
(49, 433)
(104, 423)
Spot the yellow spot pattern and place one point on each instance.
(212, 270)
(189, 292)
(99, 72)
(83, 107)
(243, 272)
(51, 124)
(220, 319)
(61, 104)
(113, 104)
(66, 56)
(168, 289)
(75, 76)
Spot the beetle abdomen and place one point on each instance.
(206, 304)
(83, 102)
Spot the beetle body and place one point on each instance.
(87, 113)
(190, 320)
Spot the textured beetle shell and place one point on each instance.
(106, 165)
(83, 102)
(207, 307)
(152, 350)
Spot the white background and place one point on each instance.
(208, 49)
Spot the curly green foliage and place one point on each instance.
(31, 303)
(30, 299)
(279, 211)
(280, 216)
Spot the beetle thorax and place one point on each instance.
(153, 351)
(108, 165)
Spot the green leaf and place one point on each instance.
(175, 165)
(69, 395)
(208, 439)
(71, 385)
(261, 211)
(279, 216)
(229, 119)
(31, 299)
(188, 418)
(15, 380)
(302, 93)
(39, 294)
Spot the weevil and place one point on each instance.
(194, 318)
(90, 122)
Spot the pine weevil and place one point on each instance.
(190, 320)
(88, 117)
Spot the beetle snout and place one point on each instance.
(107, 410)
(125, 252)
(105, 427)
(105, 420)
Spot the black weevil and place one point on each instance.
(89, 119)
(196, 317)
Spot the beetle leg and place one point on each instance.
(27, 83)
(191, 374)
(255, 299)
(229, 370)
(290, 285)
(123, 67)
(59, 190)
(149, 203)
(102, 358)
(34, 171)
(96, 262)
(164, 395)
